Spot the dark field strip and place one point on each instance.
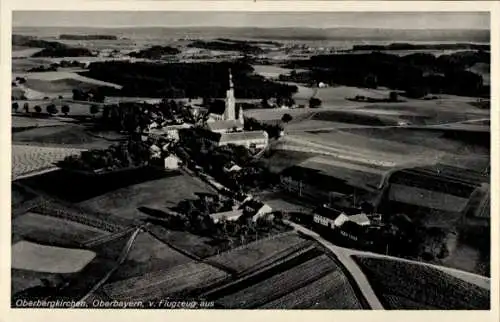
(279, 284)
(433, 182)
(261, 275)
(425, 285)
(332, 292)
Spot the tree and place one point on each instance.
(51, 109)
(15, 106)
(286, 118)
(393, 96)
(314, 102)
(65, 109)
(94, 109)
(38, 109)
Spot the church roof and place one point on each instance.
(224, 124)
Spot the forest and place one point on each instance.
(178, 80)
(155, 52)
(417, 74)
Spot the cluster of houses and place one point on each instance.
(249, 208)
(354, 225)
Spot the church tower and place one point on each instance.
(230, 112)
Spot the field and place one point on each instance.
(172, 282)
(30, 159)
(158, 193)
(35, 257)
(331, 291)
(148, 254)
(186, 243)
(279, 285)
(24, 279)
(19, 122)
(261, 252)
(402, 283)
(53, 231)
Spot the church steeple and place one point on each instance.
(230, 112)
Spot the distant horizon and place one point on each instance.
(246, 27)
(264, 20)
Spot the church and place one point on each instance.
(227, 121)
(226, 128)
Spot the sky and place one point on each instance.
(386, 20)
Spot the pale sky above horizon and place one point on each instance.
(389, 20)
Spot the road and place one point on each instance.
(344, 258)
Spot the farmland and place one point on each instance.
(30, 159)
(148, 254)
(261, 252)
(172, 282)
(331, 291)
(403, 283)
(279, 285)
(36, 257)
(53, 231)
(157, 193)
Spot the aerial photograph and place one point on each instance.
(250, 160)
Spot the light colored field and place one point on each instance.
(162, 284)
(148, 254)
(258, 252)
(29, 159)
(51, 230)
(40, 258)
(279, 284)
(270, 71)
(156, 194)
(332, 292)
(23, 53)
(18, 121)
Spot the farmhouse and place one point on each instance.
(227, 215)
(255, 209)
(172, 162)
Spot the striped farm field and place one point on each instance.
(332, 292)
(53, 231)
(172, 282)
(261, 252)
(280, 284)
(29, 159)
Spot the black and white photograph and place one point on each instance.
(250, 160)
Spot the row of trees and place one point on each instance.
(50, 109)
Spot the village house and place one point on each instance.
(230, 215)
(255, 209)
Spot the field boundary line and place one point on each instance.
(121, 259)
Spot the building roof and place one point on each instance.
(360, 219)
(252, 203)
(224, 125)
(243, 136)
(227, 214)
